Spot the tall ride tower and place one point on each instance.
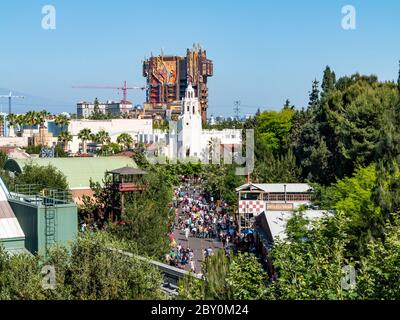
(168, 77)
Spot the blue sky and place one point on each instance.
(263, 51)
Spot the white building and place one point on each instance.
(187, 139)
(254, 198)
(86, 109)
(270, 199)
(190, 127)
(116, 108)
(114, 127)
(274, 223)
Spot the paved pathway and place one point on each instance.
(197, 244)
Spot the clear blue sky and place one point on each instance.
(263, 51)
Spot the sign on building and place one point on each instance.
(280, 207)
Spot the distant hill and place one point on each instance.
(31, 102)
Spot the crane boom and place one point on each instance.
(10, 97)
(124, 89)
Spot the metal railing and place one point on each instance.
(34, 194)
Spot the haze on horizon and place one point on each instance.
(263, 51)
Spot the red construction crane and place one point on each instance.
(124, 89)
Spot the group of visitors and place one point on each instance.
(180, 257)
(199, 216)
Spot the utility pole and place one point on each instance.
(236, 109)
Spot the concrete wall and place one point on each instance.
(13, 141)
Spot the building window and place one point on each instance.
(293, 197)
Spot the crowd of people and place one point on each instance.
(199, 216)
(180, 257)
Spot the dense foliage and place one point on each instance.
(237, 278)
(91, 270)
(45, 177)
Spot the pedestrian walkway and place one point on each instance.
(197, 245)
(199, 225)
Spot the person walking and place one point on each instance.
(192, 266)
(187, 232)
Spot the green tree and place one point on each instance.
(378, 271)
(109, 149)
(12, 120)
(65, 137)
(102, 137)
(45, 177)
(398, 78)
(271, 169)
(62, 120)
(95, 272)
(220, 181)
(272, 131)
(147, 216)
(246, 278)
(20, 277)
(126, 140)
(310, 268)
(84, 135)
(140, 156)
(237, 278)
(314, 95)
(329, 81)
(93, 268)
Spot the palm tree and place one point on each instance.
(102, 137)
(21, 120)
(12, 120)
(62, 120)
(65, 137)
(41, 117)
(125, 139)
(30, 119)
(85, 135)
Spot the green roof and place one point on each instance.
(78, 171)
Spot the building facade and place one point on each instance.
(85, 109)
(187, 139)
(114, 127)
(169, 76)
(254, 199)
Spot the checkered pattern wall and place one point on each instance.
(251, 206)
